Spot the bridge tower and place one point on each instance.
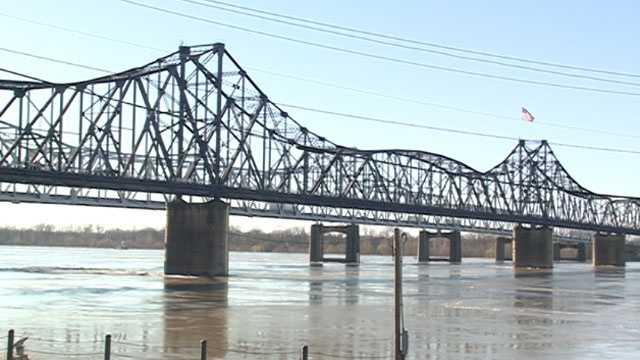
(455, 246)
(608, 249)
(196, 238)
(532, 246)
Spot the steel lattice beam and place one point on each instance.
(193, 123)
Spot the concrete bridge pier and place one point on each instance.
(196, 238)
(556, 251)
(423, 247)
(582, 252)
(532, 246)
(608, 249)
(455, 246)
(352, 248)
(352, 245)
(501, 249)
(316, 246)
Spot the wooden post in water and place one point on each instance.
(203, 349)
(305, 352)
(10, 345)
(107, 347)
(397, 260)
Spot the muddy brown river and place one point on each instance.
(66, 299)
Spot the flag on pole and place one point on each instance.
(527, 116)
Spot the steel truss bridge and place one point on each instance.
(195, 124)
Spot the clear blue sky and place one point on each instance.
(584, 33)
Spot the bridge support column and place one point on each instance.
(501, 251)
(455, 247)
(556, 251)
(608, 249)
(352, 248)
(532, 247)
(582, 252)
(423, 247)
(316, 248)
(196, 238)
(352, 245)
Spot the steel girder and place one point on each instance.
(194, 123)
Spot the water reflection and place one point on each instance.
(315, 285)
(534, 290)
(532, 273)
(533, 304)
(274, 303)
(336, 323)
(609, 273)
(610, 285)
(423, 282)
(350, 288)
(330, 286)
(195, 309)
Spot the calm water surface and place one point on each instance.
(67, 299)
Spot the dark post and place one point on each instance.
(305, 352)
(203, 349)
(107, 347)
(397, 255)
(10, 345)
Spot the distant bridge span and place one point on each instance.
(193, 123)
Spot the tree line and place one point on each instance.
(295, 240)
(290, 240)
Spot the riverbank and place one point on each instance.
(295, 240)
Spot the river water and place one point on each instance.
(67, 299)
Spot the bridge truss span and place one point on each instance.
(194, 124)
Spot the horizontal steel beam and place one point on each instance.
(24, 176)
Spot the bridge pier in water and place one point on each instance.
(532, 246)
(608, 249)
(455, 246)
(556, 251)
(316, 245)
(352, 246)
(581, 251)
(196, 238)
(501, 249)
